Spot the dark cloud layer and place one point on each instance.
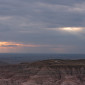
(34, 21)
(8, 46)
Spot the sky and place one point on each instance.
(42, 26)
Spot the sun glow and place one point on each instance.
(68, 29)
(14, 44)
(72, 29)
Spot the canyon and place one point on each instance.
(45, 72)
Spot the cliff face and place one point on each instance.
(48, 72)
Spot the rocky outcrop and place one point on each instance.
(9, 82)
(47, 72)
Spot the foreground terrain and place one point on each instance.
(46, 72)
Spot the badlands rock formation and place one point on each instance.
(46, 72)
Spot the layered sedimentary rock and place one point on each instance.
(47, 72)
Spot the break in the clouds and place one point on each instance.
(42, 26)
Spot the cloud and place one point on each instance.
(79, 8)
(14, 44)
(68, 29)
(4, 28)
(38, 24)
(8, 46)
(4, 18)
